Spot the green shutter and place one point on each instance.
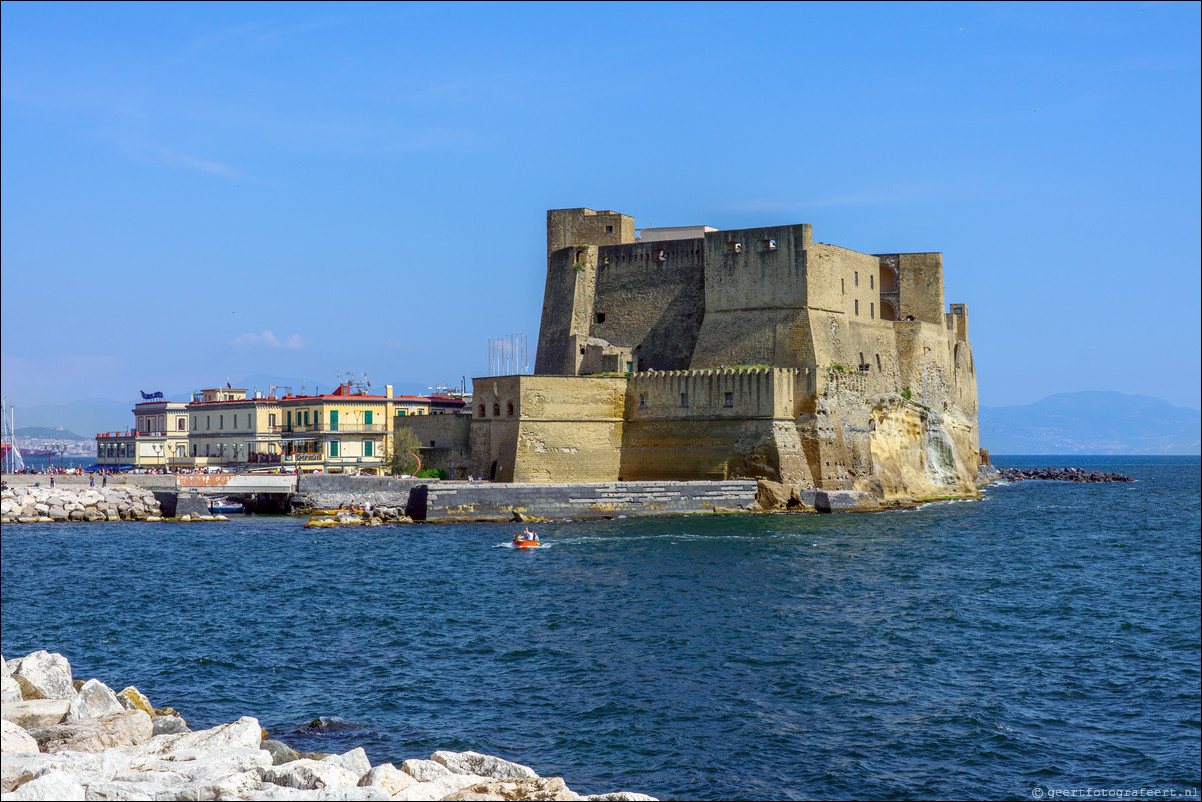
(367, 417)
(333, 420)
(333, 448)
(367, 444)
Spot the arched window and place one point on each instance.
(496, 410)
(482, 410)
(509, 408)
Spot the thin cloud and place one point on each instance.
(267, 339)
(196, 163)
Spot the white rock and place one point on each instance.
(388, 777)
(93, 699)
(54, 785)
(438, 788)
(483, 765)
(308, 774)
(125, 790)
(354, 761)
(85, 767)
(168, 725)
(242, 734)
(48, 675)
(35, 713)
(96, 734)
(543, 788)
(14, 738)
(276, 792)
(10, 690)
(226, 786)
(424, 770)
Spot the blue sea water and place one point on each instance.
(1045, 637)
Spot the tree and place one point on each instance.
(404, 446)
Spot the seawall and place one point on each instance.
(486, 501)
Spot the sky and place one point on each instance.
(196, 193)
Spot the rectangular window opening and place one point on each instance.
(600, 317)
(728, 400)
(684, 399)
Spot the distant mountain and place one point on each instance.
(50, 433)
(1092, 423)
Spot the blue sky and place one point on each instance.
(196, 192)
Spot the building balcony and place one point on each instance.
(325, 429)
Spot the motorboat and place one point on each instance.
(526, 540)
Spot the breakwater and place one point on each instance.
(38, 504)
(1061, 475)
(70, 740)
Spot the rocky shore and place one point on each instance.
(69, 740)
(1061, 475)
(38, 504)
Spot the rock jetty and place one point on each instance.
(70, 740)
(49, 504)
(1061, 475)
(376, 516)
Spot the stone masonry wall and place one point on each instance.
(499, 502)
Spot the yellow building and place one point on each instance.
(347, 431)
(228, 429)
(158, 438)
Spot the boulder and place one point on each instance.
(168, 725)
(280, 752)
(10, 690)
(424, 770)
(54, 785)
(44, 676)
(242, 734)
(308, 775)
(36, 713)
(276, 792)
(133, 699)
(483, 765)
(126, 728)
(539, 788)
(94, 699)
(439, 788)
(388, 777)
(772, 495)
(14, 738)
(354, 761)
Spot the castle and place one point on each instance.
(696, 353)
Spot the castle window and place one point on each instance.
(600, 317)
(481, 411)
(871, 280)
(878, 361)
(582, 347)
(509, 408)
(729, 400)
(660, 256)
(871, 310)
(735, 247)
(857, 306)
(496, 410)
(609, 229)
(857, 282)
(684, 399)
(769, 245)
(843, 286)
(642, 399)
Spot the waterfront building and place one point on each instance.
(229, 429)
(158, 439)
(346, 431)
(697, 353)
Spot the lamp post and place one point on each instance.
(159, 453)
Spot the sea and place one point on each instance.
(1040, 642)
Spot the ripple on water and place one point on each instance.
(1046, 636)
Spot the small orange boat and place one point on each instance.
(525, 540)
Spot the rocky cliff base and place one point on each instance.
(70, 740)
